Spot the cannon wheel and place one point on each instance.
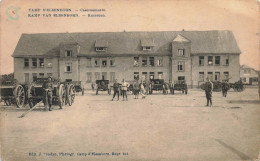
(29, 95)
(71, 94)
(19, 95)
(62, 96)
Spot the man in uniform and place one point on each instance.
(116, 87)
(48, 92)
(208, 91)
(225, 87)
(171, 86)
(124, 87)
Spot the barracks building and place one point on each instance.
(170, 55)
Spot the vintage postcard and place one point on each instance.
(132, 80)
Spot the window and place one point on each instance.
(180, 52)
(136, 61)
(26, 62)
(210, 60)
(210, 76)
(97, 75)
(112, 62)
(151, 61)
(181, 65)
(217, 60)
(34, 76)
(217, 76)
(49, 74)
(181, 78)
(88, 62)
(41, 61)
(89, 78)
(26, 77)
(136, 75)
(68, 67)
(104, 75)
(68, 80)
(49, 62)
(101, 49)
(201, 60)
(227, 61)
(104, 63)
(201, 76)
(160, 75)
(41, 75)
(226, 76)
(96, 62)
(68, 53)
(112, 76)
(34, 62)
(151, 75)
(144, 61)
(160, 61)
(147, 48)
(144, 75)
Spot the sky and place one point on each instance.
(239, 16)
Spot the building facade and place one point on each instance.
(170, 55)
(249, 75)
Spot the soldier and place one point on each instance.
(136, 89)
(208, 91)
(48, 89)
(171, 86)
(124, 87)
(116, 87)
(225, 87)
(92, 86)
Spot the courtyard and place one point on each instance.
(161, 127)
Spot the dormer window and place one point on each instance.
(101, 45)
(147, 44)
(147, 48)
(101, 49)
(68, 53)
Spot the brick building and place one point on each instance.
(170, 55)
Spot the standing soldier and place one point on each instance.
(208, 91)
(48, 89)
(171, 86)
(124, 87)
(225, 88)
(136, 89)
(116, 87)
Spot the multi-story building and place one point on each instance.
(249, 75)
(170, 55)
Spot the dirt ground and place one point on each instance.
(159, 128)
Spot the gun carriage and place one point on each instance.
(36, 93)
(12, 92)
(180, 85)
(157, 84)
(102, 85)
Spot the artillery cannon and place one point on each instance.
(12, 93)
(238, 86)
(180, 85)
(157, 84)
(102, 85)
(36, 93)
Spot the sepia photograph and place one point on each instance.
(129, 80)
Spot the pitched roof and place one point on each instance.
(180, 38)
(213, 42)
(147, 42)
(101, 43)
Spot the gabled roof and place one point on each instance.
(180, 38)
(147, 42)
(101, 43)
(213, 42)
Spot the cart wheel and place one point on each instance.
(71, 94)
(30, 93)
(19, 95)
(61, 96)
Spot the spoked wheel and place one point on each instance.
(62, 95)
(30, 94)
(71, 94)
(19, 95)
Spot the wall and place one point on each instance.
(233, 68)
